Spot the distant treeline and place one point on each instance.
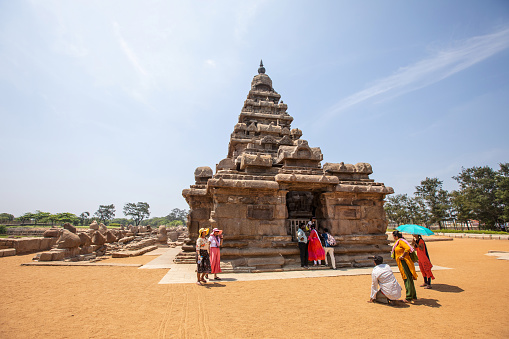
(138, 213)
(483, 195)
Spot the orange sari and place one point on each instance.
(424, 262)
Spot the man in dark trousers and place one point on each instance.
(303, 246)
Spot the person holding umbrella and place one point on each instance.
(421, 249)
(424, 262)
(401, 252)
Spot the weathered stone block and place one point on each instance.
(51, 233)
(58, 255)
(371, 212)
(86, 250)
(47, 243)
(46, 256)
(7, 252)
(27, 245)
(260, 212)
(264, 261)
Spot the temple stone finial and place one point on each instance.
(261, 70)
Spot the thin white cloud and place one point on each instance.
(128, 51)
(441, 65)
(210, 62)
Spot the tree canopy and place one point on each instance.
(483, 195)
(105, 213)
(137, 212)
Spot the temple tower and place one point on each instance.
(272, 180)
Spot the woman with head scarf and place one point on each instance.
(424, 262)
(216, 241)
(401, 252)
(202, 258)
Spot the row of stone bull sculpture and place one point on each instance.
(98, 239)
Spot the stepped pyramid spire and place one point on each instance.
(272, 181)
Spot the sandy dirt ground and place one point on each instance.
(470, 300)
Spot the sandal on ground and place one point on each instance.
(199, 283)
(217, 278)
(427, 287)
(204, 281)
(423, 285)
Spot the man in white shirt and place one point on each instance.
(382, 275)
(303, 246)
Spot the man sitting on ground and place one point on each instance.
(382, 275)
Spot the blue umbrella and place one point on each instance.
(415, 229)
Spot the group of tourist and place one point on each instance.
(405, 255)
(315, 246)
(208, 257)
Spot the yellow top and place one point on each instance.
(398, 252)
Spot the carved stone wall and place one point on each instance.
(271, 177)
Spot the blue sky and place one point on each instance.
(109, 102)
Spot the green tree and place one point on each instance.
(176, 223)
(68, 217)
(6, 217)
(403, 209)
(25, 218)
(121, 221)
(53, 218)
(84, 217)
(502, 193)
(105, 213)
(478, 190)
(178, 214)
(138, 211)
(41, 216)
(435, 199)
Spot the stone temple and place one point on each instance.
(271, 180)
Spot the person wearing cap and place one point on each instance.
(202, 258)
(390, 289)
(216, 241)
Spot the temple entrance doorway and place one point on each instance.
(301, 206)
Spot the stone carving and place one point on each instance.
(69, 227)
(271, 180)
(98, 238)
(85, 239)
(68, 239)
(162, 236)
(94, 225)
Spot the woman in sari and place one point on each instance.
(315, 248)
(424, 262)
(202, 257)
(401, 252)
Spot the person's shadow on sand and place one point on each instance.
(446, 288)
(427, 302)
(215, 284)
(398, 304)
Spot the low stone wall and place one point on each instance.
(28, 245)
(475, 236)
